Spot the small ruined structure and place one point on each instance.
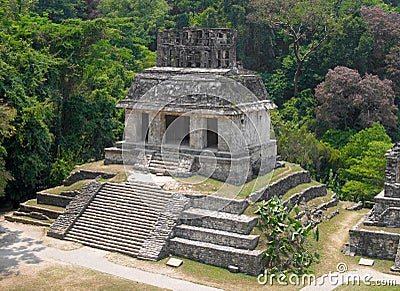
(383, 243)
(196, 112)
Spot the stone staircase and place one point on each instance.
(120, 217)
(169, 164)
(217, 237)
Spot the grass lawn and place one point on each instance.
(385, 229)
(298, 189)
(33, 202)
(99, 166)
(373, 286)
(76, 186)
(333, 236)
(199, 184)
(70, 278)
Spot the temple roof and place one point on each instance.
(221, 91)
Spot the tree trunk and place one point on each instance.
(297, 76)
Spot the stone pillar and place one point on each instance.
(396, 266)
(133, 125)
(198, 132)
(156, 128)
(230, 136)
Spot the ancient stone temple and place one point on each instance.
(373, 236)
(196, 112)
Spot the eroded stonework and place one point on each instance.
(197, 109)
(382, 244)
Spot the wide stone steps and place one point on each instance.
(120, 217)
(124, 200)
(139, 209)
(213, 231)
(163, 164)
(218, 237)
(105, 245)
(141, 185)
(137, 227)
(141, 193)
(127, 217)
(131, 198)
(248, 261)
(122, 238)
(224, 221)
(140, 188)
(115, 229)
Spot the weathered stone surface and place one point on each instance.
(173, 262)
(356, 206)
(47, 212)
(366, 262)
(280, 187)
(52, 199)
(307, 195)
(396, 266)
(33, 214)
(23, 220)
(241, 224)
(86, 175)
(197, 97)
(197, 48)
(224, 238)
(210, 202)
(155, 247)
(75, 208)
(374, 244)
(249, 262)
(70, 193)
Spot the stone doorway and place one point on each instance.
(177, 129)
(145, 127)
(212, 135)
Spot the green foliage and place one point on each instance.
(363, 174)
(64, 80)
(64, 74)
(62, 166)
(58, 10)
(337, 138)
(29, 151)
(285, 237)
(300, 109)
(305, 24)
(298, 145)
(7, 114)
(208, 18)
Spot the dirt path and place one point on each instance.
(25, 249)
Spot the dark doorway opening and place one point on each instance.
(177, 129)
(145, 126)
(212, 133)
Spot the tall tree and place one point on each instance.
(348, 100)
(306, 23)
(385, 29)
(7, 114)
(363, 173)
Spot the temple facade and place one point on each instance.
(196, 112)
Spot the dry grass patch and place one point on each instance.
(202, 185)
(33, 202)
(76, 186)
(70, 278)
(362, 287)
(299, 188)
(384, 229)
(99, 166)
(334, 234)
(198, 273)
